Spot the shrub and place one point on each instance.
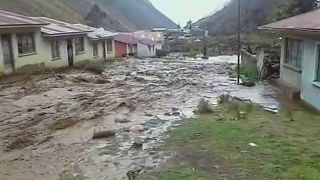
(204, 107)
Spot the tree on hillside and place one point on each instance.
(302, 6)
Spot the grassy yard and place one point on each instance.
(263, 145)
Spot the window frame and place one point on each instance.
(95, 49)
(55, 49)
(109, 43)
(317, 64)
(290, 59)
(79, 45)
(27, 47)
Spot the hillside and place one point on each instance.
(120, 15)
(254, 13)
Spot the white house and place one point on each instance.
(21, 40)
(34, 43)
(300, 54)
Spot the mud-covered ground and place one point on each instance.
(47, 121)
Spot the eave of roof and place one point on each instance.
(13, 20)
(308, 22)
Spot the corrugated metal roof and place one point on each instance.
(98, 33)
(9, 19)
(59, 28)
(305, 22)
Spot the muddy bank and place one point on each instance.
(47, 121)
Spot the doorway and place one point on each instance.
(104, 51)
(70, 52)
(8, 60)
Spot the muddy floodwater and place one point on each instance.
(47, 121)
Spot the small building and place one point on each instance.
(103, 39)
(134, 44)
(300, 54)
(21, 42)
(123, 44)
(63, 44)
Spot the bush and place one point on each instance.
(249, 76)
(224, 98)
(204, 107)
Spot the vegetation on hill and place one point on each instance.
(121, 15)
(254, 13)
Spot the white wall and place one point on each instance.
(28, 59)
(310, 90)
(143, 50)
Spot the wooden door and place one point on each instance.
(7, 54)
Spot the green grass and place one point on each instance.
(183, 173)
(286, 149)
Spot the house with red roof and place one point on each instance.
(300, 54)
(129, 44)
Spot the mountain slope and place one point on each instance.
(121, 15)
(254, 13)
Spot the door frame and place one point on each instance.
(104, 50)
(12, 62)
(70, 57)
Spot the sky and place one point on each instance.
(180, 11)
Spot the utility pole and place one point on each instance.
(239, 40)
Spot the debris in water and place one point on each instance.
(122, 120)
(137, 128)
(103, 134)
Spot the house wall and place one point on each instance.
(158, 46)
(86, 55)
(143, 50)
(49, 61)
(310, 90)
(121, 49)
(111, 55)
(289, 75)
(1, 58)
(33, 61)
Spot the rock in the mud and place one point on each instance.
(101, 80)
(148, 114)
(103, 134)
(175, 113)
(122, 120)
(137, 128)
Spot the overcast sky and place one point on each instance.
(180, 11)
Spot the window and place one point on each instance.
(318, 65)
(55, 49)
(149, 49)
(79, 45)
(26, 43)
(109, 46)
(95, 49)
(293, 53)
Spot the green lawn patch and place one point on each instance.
(287, 146)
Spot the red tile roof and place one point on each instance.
(9, 19)
(127, 38)
(309, 22)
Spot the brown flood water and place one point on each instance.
(155, 93)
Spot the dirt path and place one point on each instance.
(47, 121)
